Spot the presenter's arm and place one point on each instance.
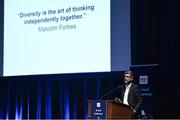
(139, 99)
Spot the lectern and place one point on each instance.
(108, 109)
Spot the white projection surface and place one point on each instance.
(56, 36)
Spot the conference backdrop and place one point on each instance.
(56, 55)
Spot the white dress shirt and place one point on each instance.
(125, 99)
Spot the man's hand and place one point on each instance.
(134, 113)
(134, 110)
(117, 100)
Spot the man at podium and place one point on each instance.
(130, 94)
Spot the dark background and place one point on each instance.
(154, 35)
(154, 40)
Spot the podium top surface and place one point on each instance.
(111, 101)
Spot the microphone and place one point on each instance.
(111, 91)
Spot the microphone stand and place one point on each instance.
(110, 92)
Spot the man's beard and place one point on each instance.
(127, 82)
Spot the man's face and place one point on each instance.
(128, 77)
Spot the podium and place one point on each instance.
(108, 109)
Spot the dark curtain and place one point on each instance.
(155, 40)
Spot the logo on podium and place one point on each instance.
(98, 110)
(98, 104)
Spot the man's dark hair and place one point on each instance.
(129, 72)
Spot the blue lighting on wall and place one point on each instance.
(8, 104)
(1, 116)
(38, 114)
(48, 100)
(75, 109)
(60, 100)
(7, 115)
(28, 109)
(66, 102)
(18, 114)
(85, 88)
(21, 110)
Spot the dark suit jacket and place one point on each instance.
(134, 96)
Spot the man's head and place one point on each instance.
(128, 76)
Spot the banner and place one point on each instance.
(144, 75)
